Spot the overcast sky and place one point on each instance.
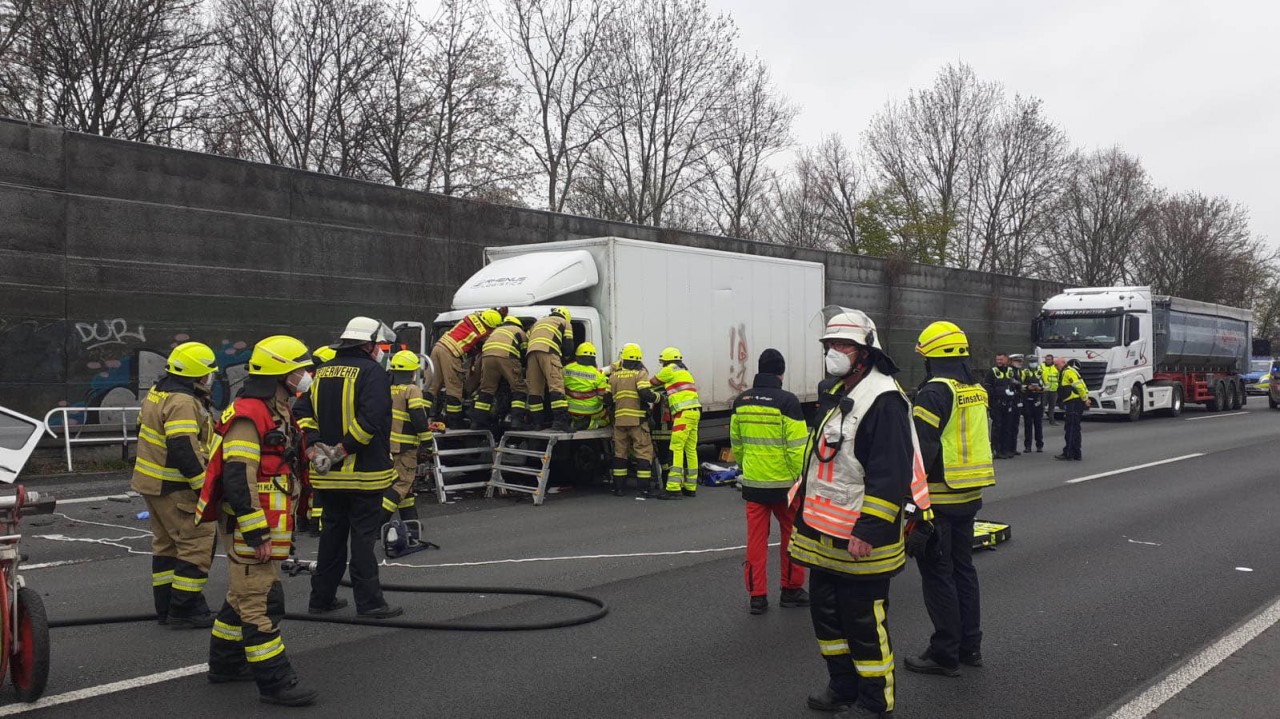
(1192, 88)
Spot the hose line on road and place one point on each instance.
(602, 609)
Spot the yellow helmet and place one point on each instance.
(279, 355)
(586, 349)
(671, 354)
(631, 353)
(491, 318)
(563, 312)
(323, 353)
(191, 359)
(943, 339)
(406, 361)
(512, 320)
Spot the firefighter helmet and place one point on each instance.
(491, 318)
(563, 312)
(365, 329)
(852, 326)
(943, 339)
(406, 361)
(586, 349)
(323, 353)
(191, 359)
(279, 355)
(670, 354)
(631, 353)
(512, 320)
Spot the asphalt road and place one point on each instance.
(1107, 585)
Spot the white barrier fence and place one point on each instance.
(73, 434)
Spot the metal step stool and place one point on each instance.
(459, 452)
(527, 467)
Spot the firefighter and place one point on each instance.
(410, 436)
(630, 393)
(502, 358)
(681, 395)
(1074, 395)
(951, 423)
(768, 435)
(550, 339)
(448, 383)
(347, 417)
(253, 479)
(1032, 405)
(1004, 388)
(174, 433)
(849, 522)
(309, 504)
(1049, 372)
(586, 388)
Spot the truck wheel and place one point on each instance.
(1175, 407)
(1272, 403)
(1219, 402)
(1238, 395)
(1135, 404)
(30, 666)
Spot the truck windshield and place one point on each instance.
(1079, 331)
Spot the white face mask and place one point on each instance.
(378, 354)
(302, 384)
(206, 381)
(838, 363)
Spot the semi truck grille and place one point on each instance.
(1093, 374)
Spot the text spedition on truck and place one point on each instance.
(721, 309)
(1140, 352)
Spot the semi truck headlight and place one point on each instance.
(1110, 387)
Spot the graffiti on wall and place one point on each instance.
(108, 332)
(739, 380)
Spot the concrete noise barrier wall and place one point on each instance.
(112, 252)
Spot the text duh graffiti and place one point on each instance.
(108, 332)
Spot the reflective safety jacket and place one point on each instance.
(1050, 374)
(410, 425)
(174, 434)
(585, 386)
(256, 439)
(1071, 385)
(858, 475)
(769, 437)
(506, 341)
(466, 335)
(350, 404)
(631, 393)
(1004, 385)
(955, 443)
(553, 334)
(677, 382)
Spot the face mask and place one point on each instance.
(302, 384)
(838, 363)
(378, 354)
(205, 382)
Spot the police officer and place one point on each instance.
(1049, 373)
(586, 387)
(1073, 394)
(630, 395)
(253, 480)
(1032, 405)
(502, 359)
(848, 527)
(680, 393)
(768, 436)
(410, 435)
(1004, 388)
(174, 433)
(347, 416)
(950, 418)
(550, 339)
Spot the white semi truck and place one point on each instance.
(1140, 352)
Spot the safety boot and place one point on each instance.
(243, 674)
(291, 694)
(560, 421)
(666, 494)
(826, 700)
(760, 604)
(190, 621)
(925, 664)
(794, 598)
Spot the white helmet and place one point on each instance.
(365, 329)
(851, 325)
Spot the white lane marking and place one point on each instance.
(103, 498)
(63, 563)
(113, 687)
(385, 563)
(1134, 468)
(1215, 416)
(1149, 544)
(1243, 569)
(105, 542)
(1195, 667)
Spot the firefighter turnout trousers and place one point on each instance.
(247, 630)
(399, 497)
(358, 515)
(545, 379)
(628, 442)
(950, 584)
(181, 552)
(684, 452)
(850, 623)
(448, 385)
(493, 371)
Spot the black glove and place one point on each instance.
(918, 541)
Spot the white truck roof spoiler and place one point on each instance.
(527, 279)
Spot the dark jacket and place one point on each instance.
(362, 426)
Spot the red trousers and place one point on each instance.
(755, 568)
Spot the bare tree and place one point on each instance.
(1098, 219)
(559, 56)
(122, 68)
(671, 70)
(757, 126)
(399, 102)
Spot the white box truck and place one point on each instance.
(1139, 352)
(721, 309)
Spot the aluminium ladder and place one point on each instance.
(458, 453)
(527, 454)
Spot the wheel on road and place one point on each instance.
(30, 667)
(1244, 396)
(1237, 395)
(1175, 407)
(1219, 401)
(1135, 404)
(1272, 403)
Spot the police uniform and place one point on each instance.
(1032, 409)
(630, 392)
(1049, 373)
(1004, 388)
(1073, 393)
